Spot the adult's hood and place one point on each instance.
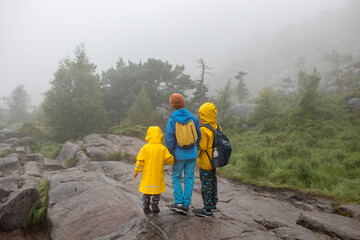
(182, 116)
(154, 135)
(208, 113)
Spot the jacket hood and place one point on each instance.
(208, 113)
(154, 135)
(182, 116)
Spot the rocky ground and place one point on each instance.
(100, 200)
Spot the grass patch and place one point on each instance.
(119, 156)
(128, 129)
(6, 152)
(38, 212)
(114, 156)
(311, 162)
(50, 150)
(71, 162)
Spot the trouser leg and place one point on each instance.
(146, 200)
(156, 198)
(176, 179)
(206, 178)
(189, 169)
(214, 198)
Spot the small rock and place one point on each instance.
(50, 164)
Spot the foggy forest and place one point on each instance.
(285, 81)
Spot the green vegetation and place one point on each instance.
(119, 156)
(2, 124)
(129, 129)
(114, 156)
(33, 130)
(5, 152)
(49, 149)
(18, 104)
(127, 83)
(37, 214)
(311, 143)
(71, 162)
(73, 106)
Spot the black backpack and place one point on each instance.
(221, 148)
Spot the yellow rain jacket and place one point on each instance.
(208, 114)
(150, 161)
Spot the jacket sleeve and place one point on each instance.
(198, 131)
(204, 143)
(170, 139)
(168, 158)
(140, 160)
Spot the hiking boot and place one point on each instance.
(185, 210)
(201, 212)
(214, 209)
(155, 208)
(147, 210)
(177, 207)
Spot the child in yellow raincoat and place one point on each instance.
(208, 115)
(150, 161)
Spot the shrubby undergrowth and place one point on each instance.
(38, 212)
(312, 151)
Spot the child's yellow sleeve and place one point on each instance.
(140, 159)
(168, 158)
(205, 141)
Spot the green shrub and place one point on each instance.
(33, 130)
(280, 175)
(104, 135)
(355, 118)
(287, 150)
(253, 158)
(254, 163)
(309, 140)
(50, 150)
(6, 152)
(71, 162)
(114, 156)
(37, 214)
(347, 189)
(352, 162)
(2, 125)
(232, 124)
(327, 132)
(268, 125)
(301, 168)
(340, 155)
(128, 129)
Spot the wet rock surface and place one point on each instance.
(100, 200)
(245, 213)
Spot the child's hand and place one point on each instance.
(135, 175)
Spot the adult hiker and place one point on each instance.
(182, 137)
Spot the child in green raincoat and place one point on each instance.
(150, 161)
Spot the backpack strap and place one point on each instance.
(213, 130)
(209, 127)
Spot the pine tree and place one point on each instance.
(73, 106)
(241, 91)
(18, 104)
(142, 111)
(223, 99)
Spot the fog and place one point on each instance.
(37, 34)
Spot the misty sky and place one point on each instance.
(36, 34)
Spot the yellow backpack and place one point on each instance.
(186, 135)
